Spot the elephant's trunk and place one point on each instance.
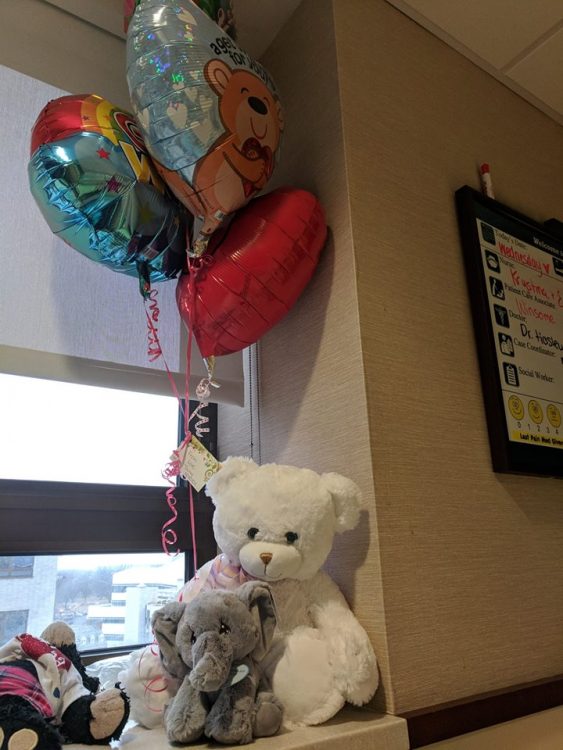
(212, 659)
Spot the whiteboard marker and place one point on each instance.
(486, 182)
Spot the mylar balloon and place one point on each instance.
(256, 273)
(209, 113)
(220, 11)
(94, 183)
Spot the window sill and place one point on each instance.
(353, 729)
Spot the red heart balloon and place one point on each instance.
(256, 273)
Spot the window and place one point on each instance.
(16, 567)
(84, 433)
(108, 600)
(12, 622)
(85, 543)
(80, 466)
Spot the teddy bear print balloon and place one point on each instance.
(209, 113)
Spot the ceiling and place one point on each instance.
(258, 21)
(519, 42)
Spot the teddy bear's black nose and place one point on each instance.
(258, 105)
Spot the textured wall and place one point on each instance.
(313, 406)
(471, 561)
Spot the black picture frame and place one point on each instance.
(508, 455)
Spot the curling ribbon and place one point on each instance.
(154, 347)
(149, 686)
(169, 537)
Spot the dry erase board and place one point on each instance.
(515, 280)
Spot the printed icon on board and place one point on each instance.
(553, 415)
(501, 316)
(535, 411)
(492, 261)
(505, 344)
(510, 374)
(558, 266)
(497, 288)
(488, 234)
(516, 407)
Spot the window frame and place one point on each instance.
(64, 518)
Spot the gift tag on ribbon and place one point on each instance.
(197, 464)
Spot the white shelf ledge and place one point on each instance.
(352, 729)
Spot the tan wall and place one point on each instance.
(313, 407)
(471, 560)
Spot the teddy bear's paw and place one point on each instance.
(59, 634)
(109, 711)
(361, 691)
(43, 735)
(303, 679)
(356, 670)
(23, 739)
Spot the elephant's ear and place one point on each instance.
(165, 626)
(257, 595)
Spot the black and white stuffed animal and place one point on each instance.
(44, 701)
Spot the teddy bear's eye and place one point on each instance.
(193, 639)
(291, 537)
(251, 533)
(224, 629)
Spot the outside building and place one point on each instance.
(106, 604)
(27, 594)
(135, 594)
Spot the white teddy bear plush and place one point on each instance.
(277, 523)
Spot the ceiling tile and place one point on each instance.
(540, 72)
(497, 31)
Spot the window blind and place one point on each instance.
(63, 316)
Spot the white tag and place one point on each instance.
(241, 671)
(197, 464)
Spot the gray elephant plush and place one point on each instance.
(214, 644)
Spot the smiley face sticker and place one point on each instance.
(535, 411)
(553, 415)
(516, 407)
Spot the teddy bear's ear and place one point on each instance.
(346, 497)
(232, 468)
(218, 74)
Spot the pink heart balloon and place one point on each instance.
(256, 273)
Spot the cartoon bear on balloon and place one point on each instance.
(241, 161)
